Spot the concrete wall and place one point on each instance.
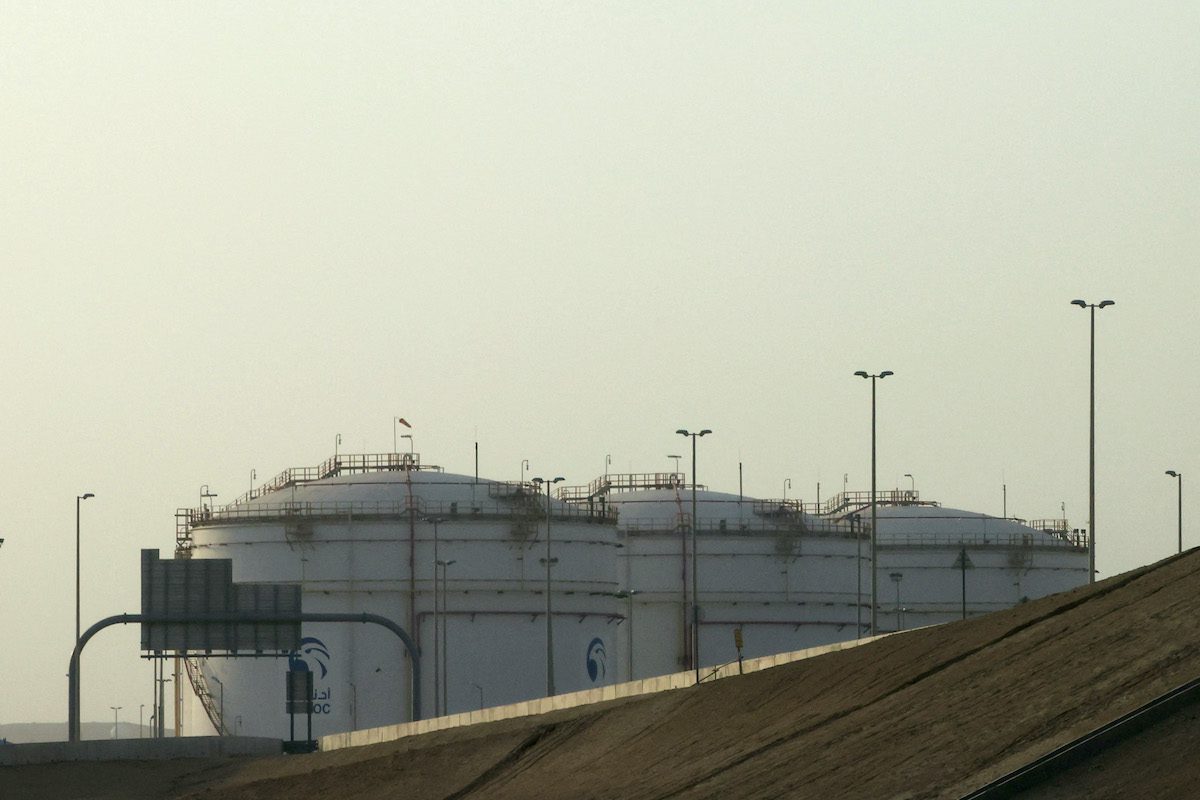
(662, 683)
(138, 749)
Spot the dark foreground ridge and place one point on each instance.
(934, 713)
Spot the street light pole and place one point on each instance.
(116, 732)
(549, 607)
(78, 499)
(695, 596)
(1178, 476)
(874, 505)
(1092, 437)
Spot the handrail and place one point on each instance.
(748, 527)
(622, 482)
(976, 539)
(889, 497)
(336, 465)
(367, 508)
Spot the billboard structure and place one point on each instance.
(191, 593)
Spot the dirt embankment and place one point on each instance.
(927, 714)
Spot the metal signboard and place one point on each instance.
(299, 692)
(188, 590)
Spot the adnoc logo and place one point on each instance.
(595, 660)
(312, 656)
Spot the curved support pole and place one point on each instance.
(73, 705)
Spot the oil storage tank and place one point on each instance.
(459, 563)
(462, 564)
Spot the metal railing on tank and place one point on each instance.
(843, 501)
(745, 527)
(1059, 528)
(349, 463)
(622, 482)
(342, 509)
(975, 538)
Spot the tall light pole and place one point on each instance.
(1092, 437)
(874, 505)
(695, 596)
(115, 709)
(1178, 476)
(549, 608)
(78, 500)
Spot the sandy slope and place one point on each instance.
(928, 714)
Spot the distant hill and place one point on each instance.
(26, 732)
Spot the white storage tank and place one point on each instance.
(364, 534)
(460, 564)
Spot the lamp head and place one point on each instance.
(1104, 303)
(1079, 303)
(705, 432)
(1173, 473)
(862, 374)
(885, 373)
(559, 479)
(682, 432)
(86, 495)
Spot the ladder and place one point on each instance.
(200, 687)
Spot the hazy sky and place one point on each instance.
(231, 231)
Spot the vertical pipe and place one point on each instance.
(1180, 479)
(629, 655)
(856, 526)
(962, 557)
(445, 640)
